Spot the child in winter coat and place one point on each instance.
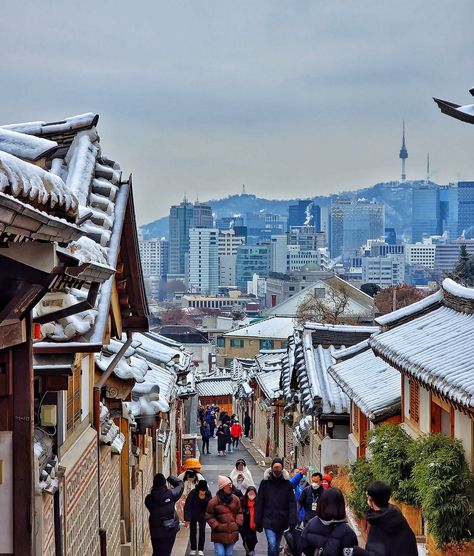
(249, 531)
(195, 514)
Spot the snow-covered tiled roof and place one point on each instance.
(435, 348)
(275, 327)
(371, 383)
(162, 350)
(269, 382)
(27, 147)
(431, 340)
(270, 360)
(219, 386)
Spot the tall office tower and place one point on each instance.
(304, 213)
(154, 257)
(203, 274)
(307, 238)
(278, 253)
(390, 236)
(403, 154)
(262, 225)
(466, 209)
(426, 212)
(228, 222)
(251, 259)
(182, 218)
(352, 224)
(229, 240)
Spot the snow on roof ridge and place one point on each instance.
(412, 309)
(40, 127)
(456, 289)
(340, 327)
(25, 146)
(351, 350)
(30, 182)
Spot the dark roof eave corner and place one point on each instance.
(336, 417)
(131, 256)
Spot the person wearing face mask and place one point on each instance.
(241, 476)
(225, 518)
(275, 510)
(248, 531)
(195, 514)
(310, 496)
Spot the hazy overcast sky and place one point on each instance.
(292, 98)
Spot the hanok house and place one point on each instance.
(267, 409)
(216, 389)
(317, 407)
(430, 344)
(373, 388)
(36, 211)
(97, 295)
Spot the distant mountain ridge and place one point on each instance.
(397, 197)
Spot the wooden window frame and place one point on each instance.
(414, 401)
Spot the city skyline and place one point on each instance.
(284, 97)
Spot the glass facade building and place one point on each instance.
(251, 259)
(426, 212)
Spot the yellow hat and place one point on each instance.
(192, 463)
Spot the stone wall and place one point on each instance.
(48, 548)
(110, 498)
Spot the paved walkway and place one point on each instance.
(212, 466)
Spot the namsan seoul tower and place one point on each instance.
(403, 153)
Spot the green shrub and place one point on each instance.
(445, 485)
(360, 476)
(391, 461)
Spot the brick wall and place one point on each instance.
(48, 548)
(110, 498)
(81, 521)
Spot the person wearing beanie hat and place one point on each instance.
(327, 480)
(195, 515)
(225, 518)
(275, 510)
(241, 476)
(163, 520)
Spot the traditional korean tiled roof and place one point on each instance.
(217, 384)
(270, 360)
(109, 432)
(269, 382)
(371, 383)
(161, 350)
(434, 343)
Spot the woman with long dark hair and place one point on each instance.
(249, 530)
(328, 533)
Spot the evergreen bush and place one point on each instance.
(445, 485)
(361, 475)
(391, 461)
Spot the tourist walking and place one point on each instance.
(389, 532)
(310, 496)
(249, 530)
(221, 439)
(241, 476)
(211, 421)
(190, 477)
(328, 532)
(247, 424)
(228, 438)
(163, 520)
(225, 518)
(236, 433)
(195, 515)
(275, 509)
(205, 436)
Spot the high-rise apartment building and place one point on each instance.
(251, 259)
(466, 208)
(353, 223)
(426, 212)
(154, 257)
(182, 218)
(278, 253)
(384, 271)
(203, 271)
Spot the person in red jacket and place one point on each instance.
(235, 433)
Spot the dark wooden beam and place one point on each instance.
(23, 437)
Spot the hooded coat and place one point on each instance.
(389, 534)
(241, 479)
(224, 519)
(160, 503)
(332, 536)
(276, 503)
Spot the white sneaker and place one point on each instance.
(200, 553)
(192, 553)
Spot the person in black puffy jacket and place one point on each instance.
(163, 520)
(195, 514)
(328, 534)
